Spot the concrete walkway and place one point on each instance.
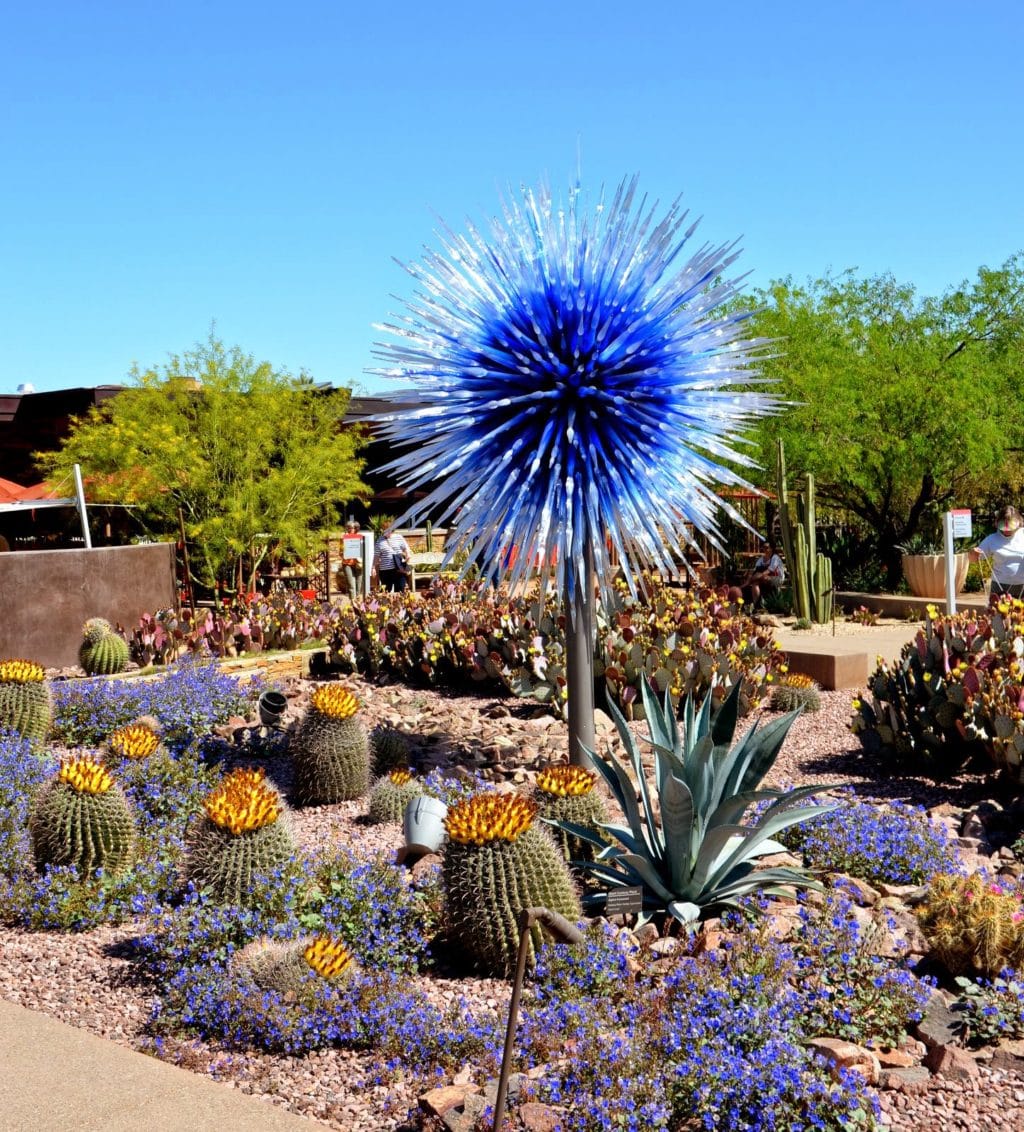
(55, 1077)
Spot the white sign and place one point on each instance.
(961, 522)
(353, 548)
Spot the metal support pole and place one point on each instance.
(579, 664)
(80, 496)
(562, 930)
(947, 528)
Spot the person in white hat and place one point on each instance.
(1004, 548)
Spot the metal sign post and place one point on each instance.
(957, 524)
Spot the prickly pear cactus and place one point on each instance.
(292, 967)
(244, 830)
(566, 793)
(331, 750)
(103, 652)
(82, 818)
(25, 704)
(795, 691)
(496, 863)
(391, 794)
(389, 750)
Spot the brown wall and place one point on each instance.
(46, 596)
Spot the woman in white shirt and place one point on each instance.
(1005, 550)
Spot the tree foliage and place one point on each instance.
(253, 457)
(901, 405)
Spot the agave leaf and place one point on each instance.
(622, 833)
(677, 814)
(769, 880)
(632, 813)
(660, 727)
(625, 794)
(645, 869)
(584, 832)
(617, 878)
(756, 753)
(768, 827)
(685, 912)
(719, 846)
(732, 809)
(724, 726)
(785, 801)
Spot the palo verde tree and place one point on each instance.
(251, 457)
(900, 404)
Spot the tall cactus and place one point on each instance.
(811, 572)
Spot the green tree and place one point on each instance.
(899, 404)
(253, 457)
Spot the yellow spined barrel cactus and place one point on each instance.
(496, 863)
(25, 703)
(244, 830)
(331, 749)
(82, 818)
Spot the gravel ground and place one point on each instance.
(86, 980)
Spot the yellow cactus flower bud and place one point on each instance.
(328, 957)
(335, 701)
(565, 781)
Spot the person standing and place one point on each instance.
(1004, 548)
(391, 561)
(353, 566)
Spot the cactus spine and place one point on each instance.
(25, 704)
(810, 572)
(496, 863)
(972, 925)
(389, 750)
(103, 652)
(331, 749)
(795, 691)
(82, 818)
(243, 831)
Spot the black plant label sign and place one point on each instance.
(625, 901)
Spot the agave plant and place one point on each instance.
(699, 860)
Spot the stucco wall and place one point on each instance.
(47, 595)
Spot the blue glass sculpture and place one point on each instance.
(575, 389)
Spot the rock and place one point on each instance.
(846, 1055)
(538, 1117)
(425, 867)
(952, 1062)
(895, 1058)
(1009, 1056)
(603, 721)
(939, 1026)
(860, 891)
(646, 934)
(439, 1101)
(912, 1080)
(908, 893)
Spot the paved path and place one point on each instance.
(55, 1077)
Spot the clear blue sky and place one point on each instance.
(166, 165)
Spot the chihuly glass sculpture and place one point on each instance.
(575, 389)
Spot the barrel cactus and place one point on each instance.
(391, 794)
(135, 742)
(25, 703)
(291, 967)
(389, 750)
(566, 793)
(82, 818)
(331, 749)
(496, 863)
(244, 830)
(103, 652)
(795, 691)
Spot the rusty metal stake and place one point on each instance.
(562, 930)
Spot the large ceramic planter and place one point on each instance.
(926, 573)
